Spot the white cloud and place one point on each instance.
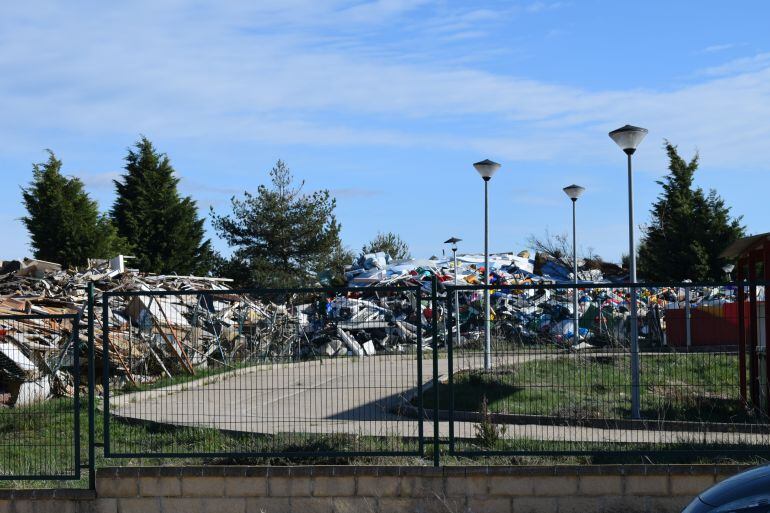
(543, 6)
(304, 72)
(751, 64)
(719, 48)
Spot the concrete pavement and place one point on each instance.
(353, 396)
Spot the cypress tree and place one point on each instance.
(64, 223)
(688, 228)
(164, 230)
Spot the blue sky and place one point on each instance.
(388, 103)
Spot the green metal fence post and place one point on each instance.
(420, 380)
(91, 392)
(452, 310)
(434, 339)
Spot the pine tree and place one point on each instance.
(64, 223)
(688, 228)
(280, 236)
(389, 243)
(164, 230)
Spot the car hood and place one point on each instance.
(745, 484)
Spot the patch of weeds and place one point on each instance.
(487, 432)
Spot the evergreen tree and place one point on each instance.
(64, 223)
(688, 229)
(164, 230)
(281, 237)
(389, 243)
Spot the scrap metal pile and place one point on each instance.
(156, 335)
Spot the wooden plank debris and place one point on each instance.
(200, 324)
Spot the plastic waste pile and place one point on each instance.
(535, 314)
(378, 269)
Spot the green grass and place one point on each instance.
(47, 424)
(681, 387)
(608, 453)
(139, 437)
(38, 439)
(677, 387)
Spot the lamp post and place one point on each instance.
(728, 269)
(628, 138)
(453, 241)
(486, 169)
(573, 192)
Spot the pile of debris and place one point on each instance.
(378, 269)
(535, 314)
(160, 326)
(165, 325)
(153, 335)
(37, 345)
(349, 325)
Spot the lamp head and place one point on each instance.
(453, 241)
(574, 191)
(628, 137)
(486, 168)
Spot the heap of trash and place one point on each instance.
(164, 326)
(526, 311)
(37, 344)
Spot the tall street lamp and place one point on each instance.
(453, 241)
(486, 169)
(728, 269)
(573, 192)
(628, 138)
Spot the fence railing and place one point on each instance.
(39, 439)
(270, 375)
(304, 372)
(549, 391)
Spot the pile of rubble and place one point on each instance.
(164, 326)
(37, 347)
(160, 326)
(361, 326)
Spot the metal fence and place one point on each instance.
(40, 439)
(388, 372)
(548, 392)
(300, 372)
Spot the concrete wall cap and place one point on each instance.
(424, 471)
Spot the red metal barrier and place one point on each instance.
(710, 326)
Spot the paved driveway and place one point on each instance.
(353, 396)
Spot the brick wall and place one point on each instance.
(343, 489)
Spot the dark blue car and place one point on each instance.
(747, 492)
